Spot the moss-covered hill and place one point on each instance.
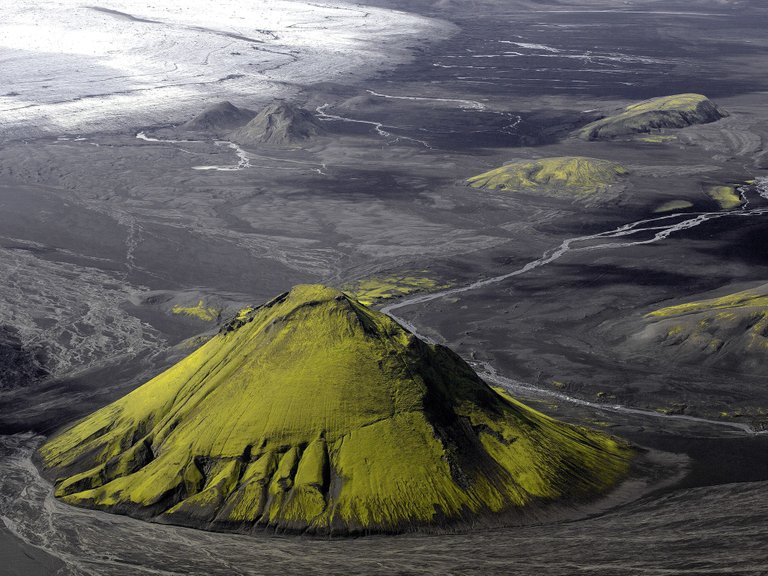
(677, 111)
(315, 413)
(573, 177)
(728, 331)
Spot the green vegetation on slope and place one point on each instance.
(315, 413)
(748, 299)
(677, 111)
(199, 311)
(373, 290)
(729, 328)
(568, 176)
(726, 196)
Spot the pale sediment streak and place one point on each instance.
(146, 138)
(461, 102)
(530, 46)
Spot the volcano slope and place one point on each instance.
(677, 111)
(314, 413)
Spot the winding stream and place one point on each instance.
(378, 126)
(381, 129)
(244, 160)
(660, 228)
(515, 119)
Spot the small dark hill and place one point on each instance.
(221, 117)
(279, 124)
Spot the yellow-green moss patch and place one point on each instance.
(313, 412)
(199, 311)
(673, 205)
(748, 299)
(370, 291)
(727, 197)
(657, 139)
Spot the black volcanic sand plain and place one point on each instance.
(121, 256)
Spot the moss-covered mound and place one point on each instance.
(678, 111)
(728, 331)
(315, 413)
(572, 177)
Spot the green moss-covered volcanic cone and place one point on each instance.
(315, 413)
(677, 111)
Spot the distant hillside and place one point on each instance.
(315, 413)
(220, 117)
(279, 124)
(678, 111)
(728, 331)
(573, 177)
